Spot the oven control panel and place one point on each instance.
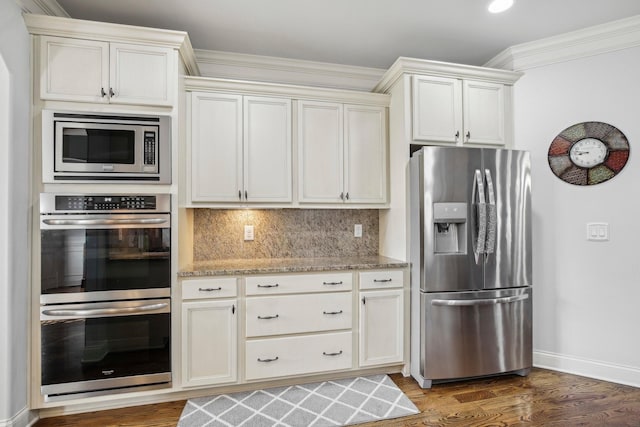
(104, 203)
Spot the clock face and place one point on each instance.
(588, 153)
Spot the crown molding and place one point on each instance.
(227, 65)
(609, 37)
(209, 84)
(405, 65)
(105, 31)
(43, 7)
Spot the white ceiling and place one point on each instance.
(370, 33)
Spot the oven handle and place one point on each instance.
(104, 221)
(105, 311)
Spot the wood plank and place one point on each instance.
(544, 398)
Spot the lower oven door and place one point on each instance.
(99, 348)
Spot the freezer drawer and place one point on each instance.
(468, 334)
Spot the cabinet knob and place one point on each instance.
(246, 195)
(111, 92)
(457, 135)
(239, 194)
(347, 196)
(342, 196)
(102, 92)
(468, 135)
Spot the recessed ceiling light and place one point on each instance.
(497, 6)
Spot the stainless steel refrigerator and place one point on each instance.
(470, 252)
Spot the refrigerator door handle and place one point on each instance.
(481, 215)
(472, 302)
(492, 215)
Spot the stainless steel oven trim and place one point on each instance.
(80, 297)
(104, 309)
(104, 221)
(66, 391)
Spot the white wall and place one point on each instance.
(14, 214)
(586, 294)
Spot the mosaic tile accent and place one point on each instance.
(283, 233)
(329, 403)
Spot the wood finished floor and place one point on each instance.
(544, 398)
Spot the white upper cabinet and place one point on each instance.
(457, 111)
(100, 72)
(342, 153)
(240, 149)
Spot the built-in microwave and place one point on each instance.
(80, 147)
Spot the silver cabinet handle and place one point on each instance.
(105, 311)
(268, 360)
(246, 195)
(111, 92)
(457, 135)
(240, 194)
(268, 317)
(382, 280)
(468, 135)
(104, 221)
(332, 354)
(346, 196)
(102, 92)
(332, 312)
(342, 196)
(268, 286)
(209, 289)
(472, 302)
(332, 283)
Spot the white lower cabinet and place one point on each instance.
(291, 325)
(296, 355)
(381, 322)
(209, 333)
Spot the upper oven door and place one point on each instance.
(104, 257)
(83, 147)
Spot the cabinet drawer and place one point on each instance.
(209, 288)
(277, 357)
(298, 283)
(290, 314)
(381, 279)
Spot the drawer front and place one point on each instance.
(298, 283)
(279, 357)
(209, 288)
(290, 314)
(381, 279)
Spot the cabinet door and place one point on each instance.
(74, 70)
(381, 330)
(484, 113)
(216, 147)
(209, 342)
(365, 141)
(141, 74)
(437, 109)
(267, 149)
(320, 152)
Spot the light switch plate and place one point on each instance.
(248, 232)
(357, 230)
(597, 231)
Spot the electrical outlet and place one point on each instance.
(357, 230)
(248, 232)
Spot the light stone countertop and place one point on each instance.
(232, 267)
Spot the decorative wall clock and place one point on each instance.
(588, 153)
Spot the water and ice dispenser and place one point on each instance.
(450, 228)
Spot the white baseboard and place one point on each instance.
(627, 375)
(24, 418)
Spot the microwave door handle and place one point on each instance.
(105, 311)
(143, 221)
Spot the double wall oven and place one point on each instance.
(105, 308)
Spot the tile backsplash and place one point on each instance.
(283, 233)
